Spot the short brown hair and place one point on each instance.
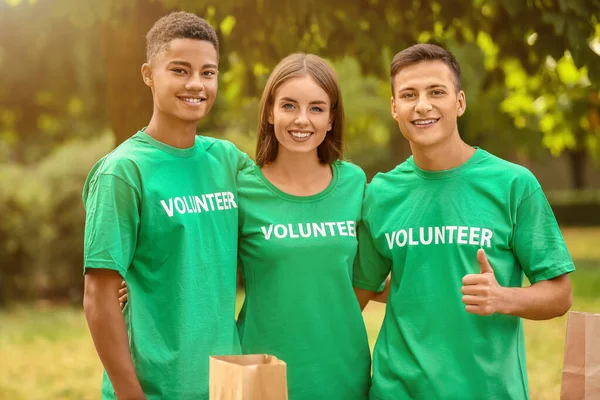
(424, 52)
(294, 66)
(178, 25)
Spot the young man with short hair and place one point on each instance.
(161, 212)
(457, 228)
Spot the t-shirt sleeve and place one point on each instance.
(537, 242)
(111, 223)
(243, 161)
(240, 178)
(371, 268)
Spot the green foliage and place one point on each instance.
(369, 126)
(560, 102)
(51, 86)
(252, 42)
(41, 229)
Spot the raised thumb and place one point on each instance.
(484, 264)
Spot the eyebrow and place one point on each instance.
(433, 86)
(312, 102)
(187, 64)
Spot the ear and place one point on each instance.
(462, 103)
(393, 108)
(330, 123)
(270, 118)
(147, 74)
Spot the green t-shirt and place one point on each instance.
(296, 255)
(426, 227)
(166, 219)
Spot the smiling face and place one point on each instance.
(426, 103)
(301, 115)
(183, 79)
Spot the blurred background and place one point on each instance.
(70, 90)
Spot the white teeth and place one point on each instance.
(191, 100)
(300, 135)
(424, 122)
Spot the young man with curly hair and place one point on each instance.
(161, 213)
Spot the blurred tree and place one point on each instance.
(562, 103)
(255, 35)
(52, 88)
(261, 32)
(41, 228)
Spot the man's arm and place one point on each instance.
(364, 296)
(543, 300)
(107, 326)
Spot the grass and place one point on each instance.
(47, 353)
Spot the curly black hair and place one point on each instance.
(178, 25)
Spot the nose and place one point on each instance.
(194, 84)
(423, 105)
(301, 118)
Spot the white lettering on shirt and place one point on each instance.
(266, 232)
(351, 228)
(474, 236)
(309, 229)
(219, 200)
(199, 204)
(462, 234)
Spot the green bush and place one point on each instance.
(41, 229)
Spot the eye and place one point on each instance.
(317, 109)
(209, 73)
(438, 92)
(407, 95)
(288, 106)
(179, 71)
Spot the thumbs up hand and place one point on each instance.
(482, 294)
(484, 264)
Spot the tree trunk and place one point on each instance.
(129, 99)
(577, 162)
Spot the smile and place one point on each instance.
(425, 122)
(300, 135)
(192, 100)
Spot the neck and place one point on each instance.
(300, 174)
(297, 167)
(449, 154)
(171, 130)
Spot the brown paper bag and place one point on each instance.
(247, 377)
(581, 368)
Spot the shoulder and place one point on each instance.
(224, 152)
(123, 165)
(248, 174)
(122, 161)
(214, 145)
(348, 170)
(387, 186)
(508, 174)
(382, 180)
(491, 161)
